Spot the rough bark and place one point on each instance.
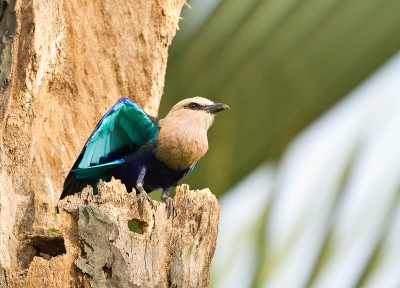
(101, 251)
(62, 65)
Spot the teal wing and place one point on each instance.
(97, 171)
(121, 131)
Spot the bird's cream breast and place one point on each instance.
(181, 143)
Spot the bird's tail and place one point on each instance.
(73, 185)
(79, 178)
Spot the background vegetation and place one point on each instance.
(279, 64)
(313, 213)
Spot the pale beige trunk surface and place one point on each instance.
(62, 65)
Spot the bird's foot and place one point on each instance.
(171, 207)
(145, 197)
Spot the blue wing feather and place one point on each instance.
(96, 171)
(121, 131)
(191, 168)
(125, 125)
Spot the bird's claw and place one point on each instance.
(145, 197)
(171, 207)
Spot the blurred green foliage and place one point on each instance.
(278, 64)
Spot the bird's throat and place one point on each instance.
(181, 147)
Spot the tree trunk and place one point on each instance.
(63, 64)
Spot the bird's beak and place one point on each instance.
(217, 107)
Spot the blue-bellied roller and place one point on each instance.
(144, 152)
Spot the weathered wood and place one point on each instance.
(101, 251)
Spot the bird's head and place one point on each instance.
(196, 110)
(182, 139)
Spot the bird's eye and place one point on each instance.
(193, 106)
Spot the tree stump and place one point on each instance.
(102, 251)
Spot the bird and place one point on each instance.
(144, 152)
